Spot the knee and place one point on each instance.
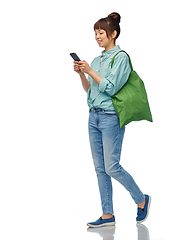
(113, 171)
(110, 171)
(100, 171)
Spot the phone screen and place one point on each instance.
(75, 57)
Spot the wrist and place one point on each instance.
(90, 72)
(81, 74)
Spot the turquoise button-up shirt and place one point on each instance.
(113, 79)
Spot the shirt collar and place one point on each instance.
(111, 51)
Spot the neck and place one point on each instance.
(110, 46)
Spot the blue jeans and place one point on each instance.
(106, 139)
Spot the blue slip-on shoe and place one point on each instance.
(143, 213)
(102, 222)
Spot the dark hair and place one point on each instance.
(109, 24)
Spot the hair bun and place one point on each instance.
(116, 17)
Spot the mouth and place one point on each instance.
(99, 42)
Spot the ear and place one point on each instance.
(114, 34)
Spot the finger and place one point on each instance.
(76, 66)
(81, 62)
(81, 65)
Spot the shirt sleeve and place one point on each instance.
(118, 77)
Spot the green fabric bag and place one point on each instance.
(131, 102)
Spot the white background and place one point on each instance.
(48, 187)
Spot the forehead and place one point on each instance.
(98, 30)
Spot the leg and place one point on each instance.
(104, 180)
(112, 144)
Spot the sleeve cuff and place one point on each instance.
(102, 85)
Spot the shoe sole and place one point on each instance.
(101, 225)
(147, 211)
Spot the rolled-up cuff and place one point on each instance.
(102, 85)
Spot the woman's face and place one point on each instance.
(102, 39)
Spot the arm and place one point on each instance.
(95, 76)
(118, 76)
(115, 80)
(85, 82)
(84, 66)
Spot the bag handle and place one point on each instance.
(112, 62)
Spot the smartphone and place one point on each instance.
(75, 57)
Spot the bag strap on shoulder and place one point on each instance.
(112, 62)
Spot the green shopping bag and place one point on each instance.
(131, 101)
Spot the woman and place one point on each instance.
(105, 134)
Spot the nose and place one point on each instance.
(97, 36)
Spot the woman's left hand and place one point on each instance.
(84, 67)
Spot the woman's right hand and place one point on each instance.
(76, 67)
